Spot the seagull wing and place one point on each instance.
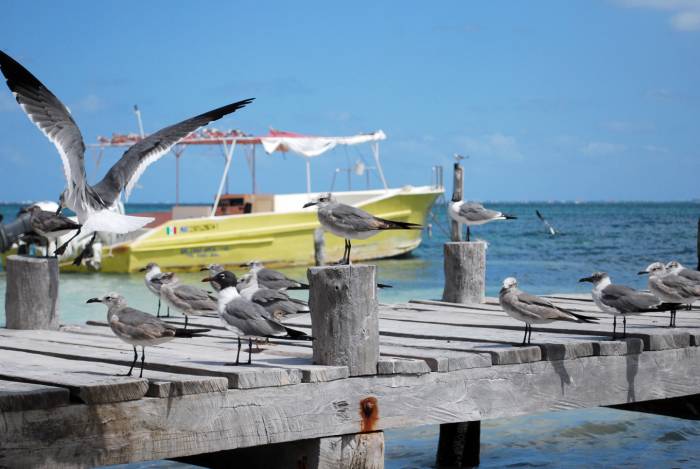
(474, 211)
(251, 318)
(127, 171)
(628, 299)
(51, 116)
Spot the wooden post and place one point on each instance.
(355, 451)
(319, 243)
(457, 195)
(31, 296)
(465, 272)
(459, 445)
(344, 320)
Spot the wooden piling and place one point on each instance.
(459, 445)
(344, 320)
(457, 195)
(319, 243)
(31, 296)
(465, 272)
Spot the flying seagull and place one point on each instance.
(154, 280)
(532, 309)
(547, 225)
(51, 226)
(671, 288)
(350, 222)
(94, 204)
(135, 327)
(473, 213)
(245, 318)
(186, 299)
(620, 300)
(274, 279)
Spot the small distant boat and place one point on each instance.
(272, 228)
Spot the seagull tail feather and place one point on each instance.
(190, 332)
(510, 217)
(301, 286)
(399, 225)
(583, 318)
(295, 334)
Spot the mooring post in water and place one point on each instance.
(319, 243)
(31, 295)
(457, 195)
(459, 445)
(344, 320)
(465, 261)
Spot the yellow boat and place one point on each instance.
(272, 228)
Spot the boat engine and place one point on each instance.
(10, 232)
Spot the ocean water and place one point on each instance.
(619, 238)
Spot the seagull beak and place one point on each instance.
(642, 272)
(208, 279)
(94, 300)
(204, 269)
(244, 265)
(309, 204)
(586, 279)
(142, 269)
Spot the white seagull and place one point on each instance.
(473, 213)
(94, 205)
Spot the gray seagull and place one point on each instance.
(473, 213)
(620, 300)
(269, 278)
(186, 299)
(154, 280)
(51, 226)
(135, 327)
(95, 204)
(350, 222)
(276, 302)
(245, 318)
(671, 288)
(677, 268)
(532, 309)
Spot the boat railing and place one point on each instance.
(437, 177)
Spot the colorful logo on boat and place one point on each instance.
(173, 230)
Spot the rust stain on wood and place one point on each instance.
(369, 412)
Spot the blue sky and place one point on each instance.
(587, 100)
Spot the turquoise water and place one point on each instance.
(620, 238)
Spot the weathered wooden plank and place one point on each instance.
(31, 293)
(162, 384)
(398, 366)
(88, 382)
(177, 361)
(131, 431)
(465, 272)
(438, 360)
(15, 395)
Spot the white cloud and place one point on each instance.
(89, 103)
(602, 148)
(655, 150)
(685, 14)
(495, 145)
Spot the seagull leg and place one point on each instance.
(529, 336)
(168, 315)
(614, 326)
(238, 354)
(673, 317)
(624, 327)
(186, 321)
(158, 313)
(62, 248)
(143, 360)
(349, 247)
(136, 357)
(468, 233)
(250, 348)
(79, 260)
(525, 336)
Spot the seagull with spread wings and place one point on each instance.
(94, 204)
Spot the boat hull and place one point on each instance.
(278, 239)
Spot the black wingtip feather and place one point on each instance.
(583, 318)
(296, 335)
(301, 286)
(190, 332)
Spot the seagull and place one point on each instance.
(245, 318)
(350, 222)
(532, 309)
(51, 227)
(135, 327)
(677, 268)
(473, 213)
(186, 299)
(95, 205)
(275, 302)
(154, 279)
(620, 300)
(671, 288)
(274, 279)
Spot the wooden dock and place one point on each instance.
(63, 405)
